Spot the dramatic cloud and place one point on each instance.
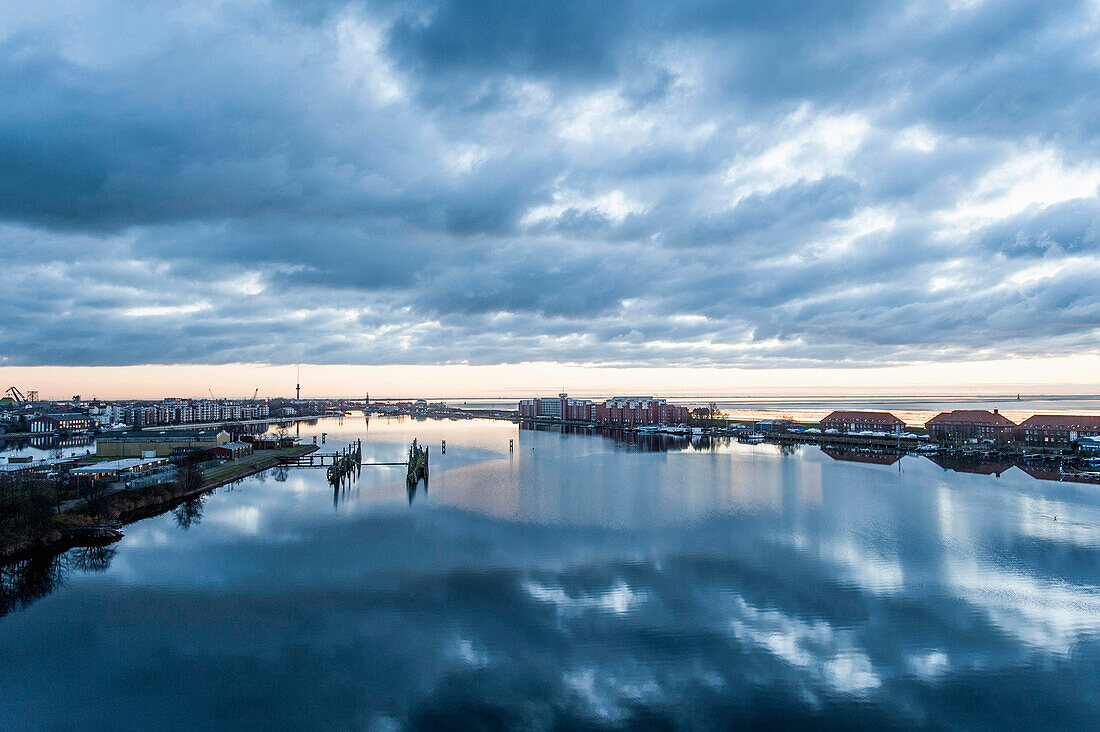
(722, 183)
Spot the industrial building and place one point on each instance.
(161, 443)
(117, 470)
(233, 450)
(73, 422)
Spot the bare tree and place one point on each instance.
(94, 494)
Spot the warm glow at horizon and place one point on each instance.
(1061, 375)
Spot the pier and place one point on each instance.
(349, 460)
(418, 464)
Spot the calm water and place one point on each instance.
(581, 581)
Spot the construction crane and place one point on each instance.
(209, 389)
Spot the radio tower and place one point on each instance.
(298, 386)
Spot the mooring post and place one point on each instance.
(511, 445)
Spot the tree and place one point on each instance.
(189, 477)
(94, 494)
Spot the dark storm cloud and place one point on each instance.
(622, 182)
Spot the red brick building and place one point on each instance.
(970, 424)
(862, 421)
(619, 410)
(1057, 430)
(640, 411)
(233, 450)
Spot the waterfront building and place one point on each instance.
(970, 424)
(162, 443)
(561, 407)
(846, 421)
(73, 422)
(1059, 430)
(774, 425)
(233, 450)
(116, 470)
(172, 411)
(642, 410)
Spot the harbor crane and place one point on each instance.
(256, 393)
(19, 397)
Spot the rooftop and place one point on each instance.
(873, 417)
(162, 436)
(1062, 422)
(972, 416)
(115, 466)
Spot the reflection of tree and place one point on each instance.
(23, 582)
(92, 558)
(189, 513)
(281, 473)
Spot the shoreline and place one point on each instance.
(129, 506)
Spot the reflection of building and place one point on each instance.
(1058, 429)
(862, 421)
(1046, 472)
(162, 444)
(46, 442)
(971, 464)
(969, 424)
(862, 456)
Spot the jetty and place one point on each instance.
(349, 460)
(418, 464)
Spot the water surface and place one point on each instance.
(581, 580)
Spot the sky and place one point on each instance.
(475, 196)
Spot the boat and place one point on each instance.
(754, 438)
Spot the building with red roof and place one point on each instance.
(862, 421)
(970, 424)
(1057, 430)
